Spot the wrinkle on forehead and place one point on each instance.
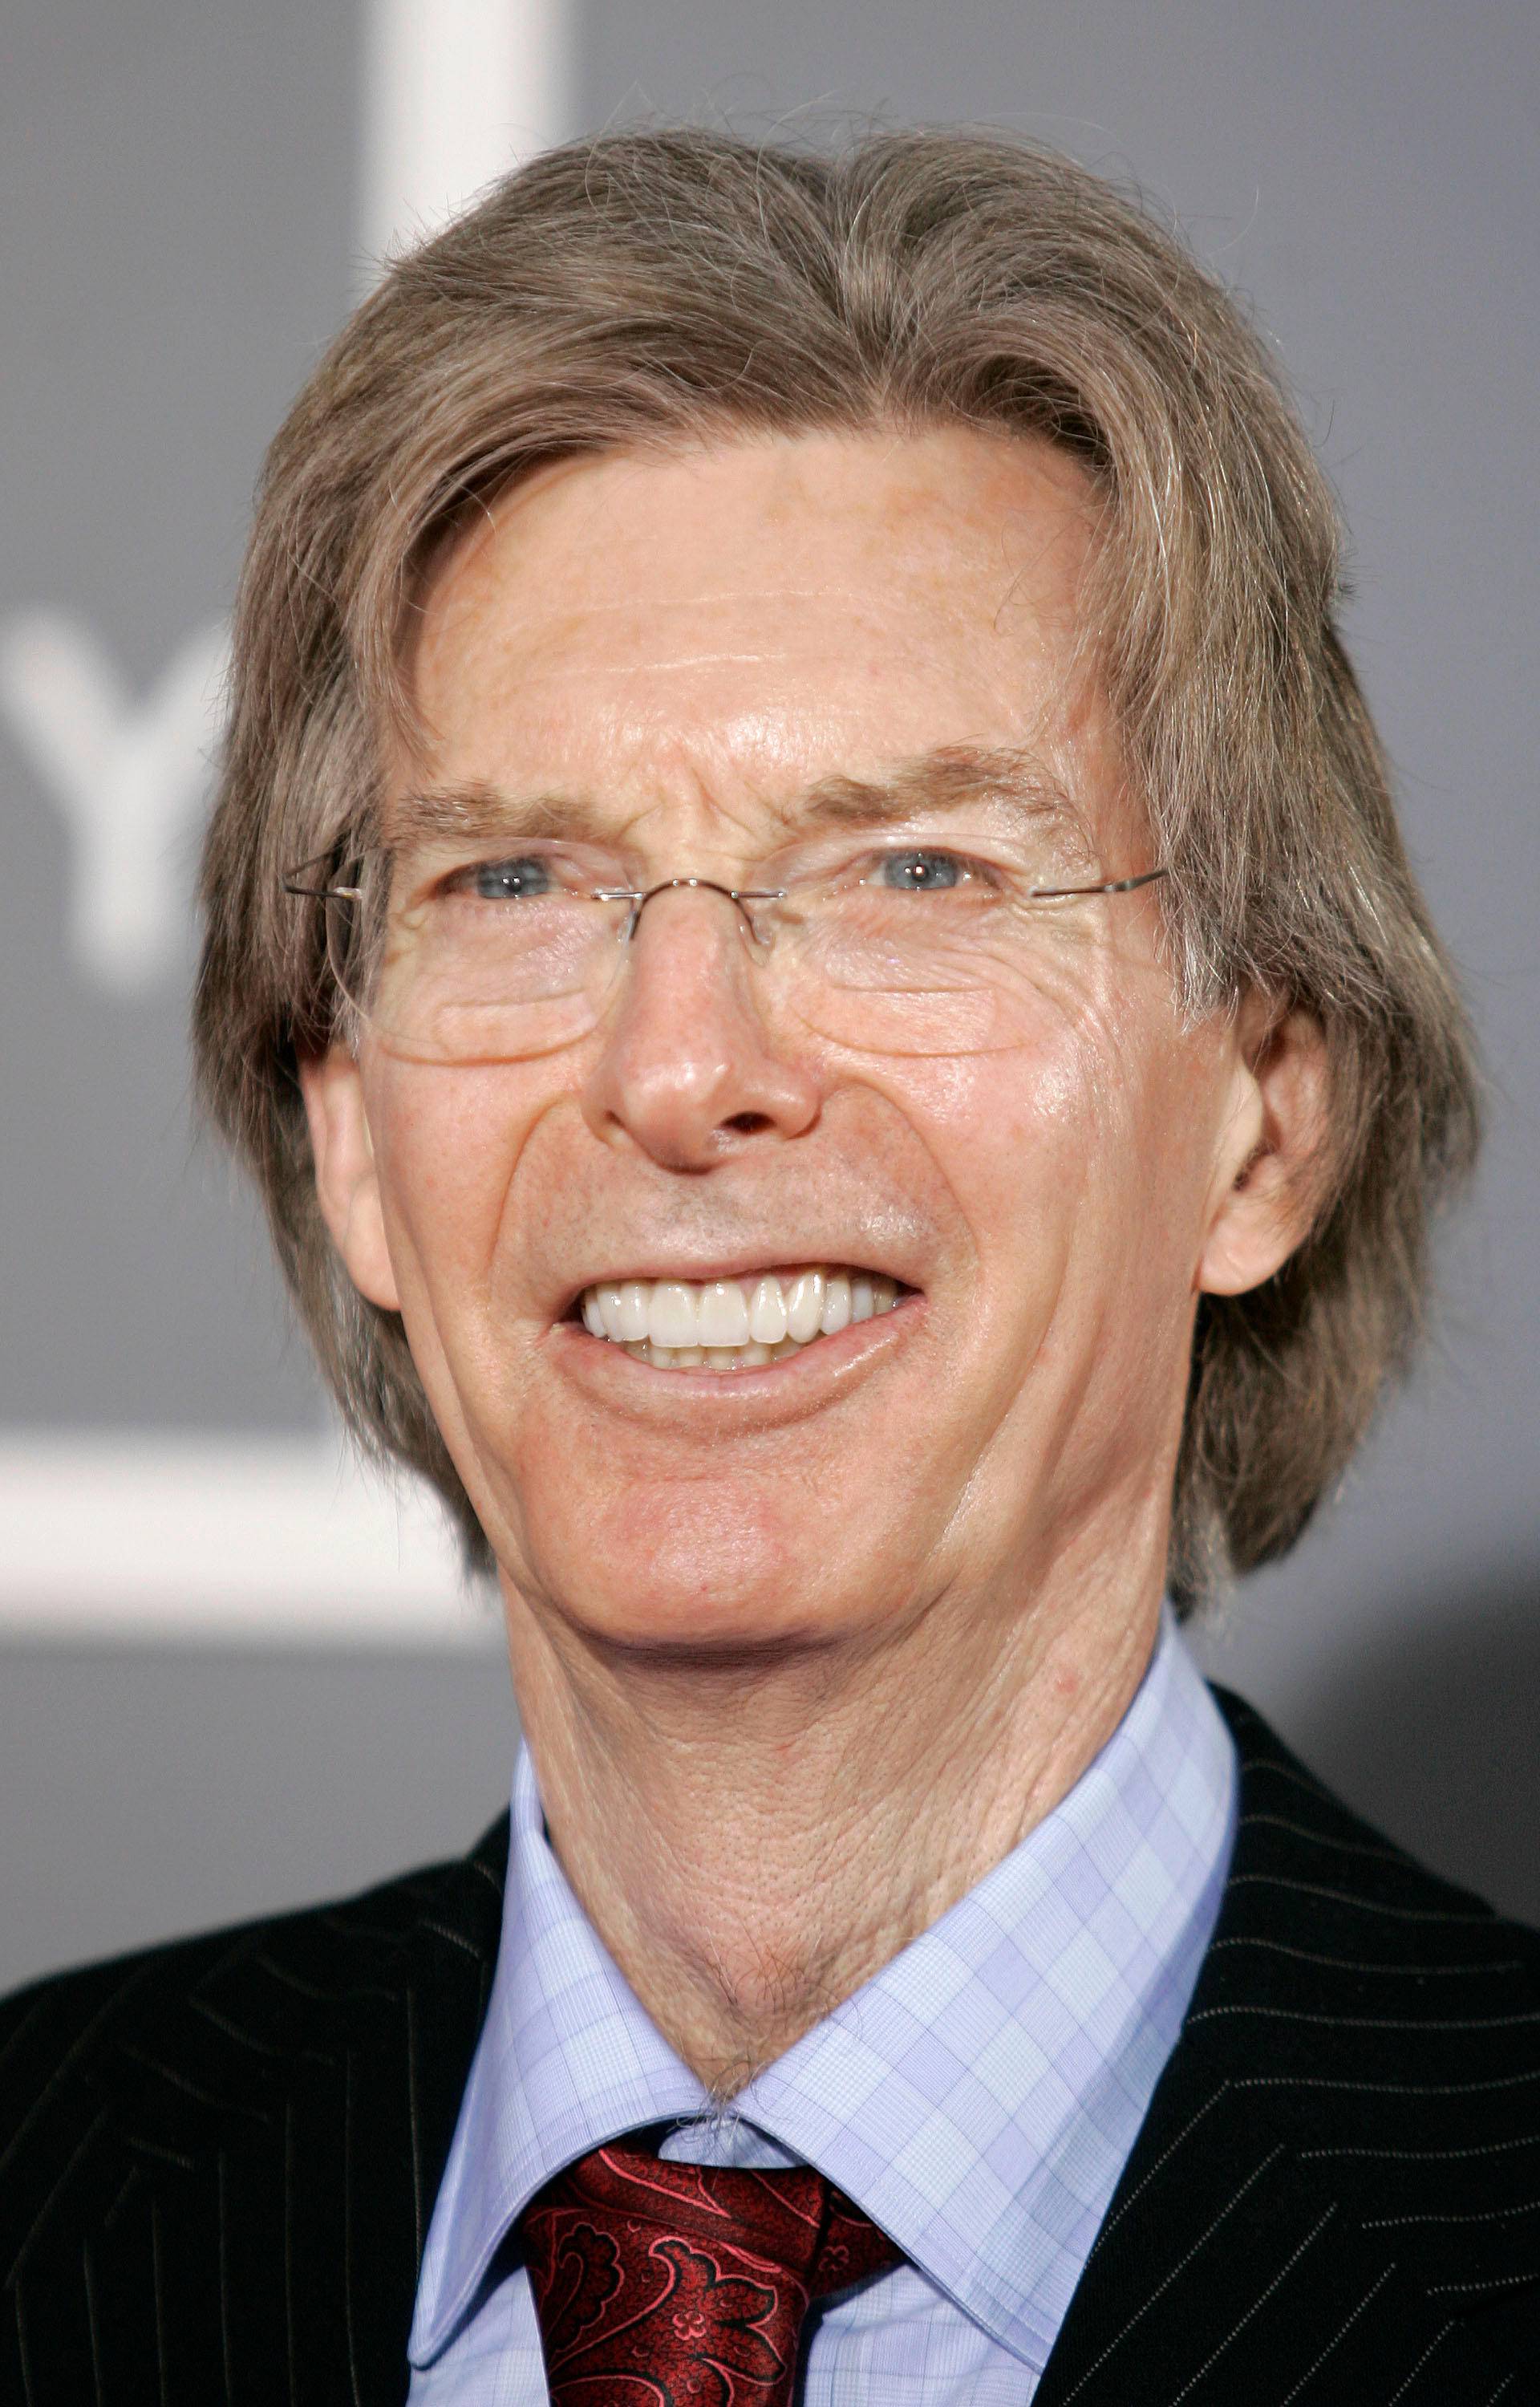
(721, 633)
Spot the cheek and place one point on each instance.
(446, 1144)
(1016, 1134)
(1075, 1159)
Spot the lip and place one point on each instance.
(754, 1399)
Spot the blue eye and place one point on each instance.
(512, 881)
(920, 873)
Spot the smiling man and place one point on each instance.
(808, 944)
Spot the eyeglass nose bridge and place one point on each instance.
(737, 895)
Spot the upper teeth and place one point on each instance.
(726, 1315)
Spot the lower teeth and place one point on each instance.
(713, 1358)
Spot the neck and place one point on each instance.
(753, 1836)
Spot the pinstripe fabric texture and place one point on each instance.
(219, 2160)
(1336, 2193)
(978, 2098)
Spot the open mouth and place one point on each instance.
(734, 1324)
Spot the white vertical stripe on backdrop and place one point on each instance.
(454, 92)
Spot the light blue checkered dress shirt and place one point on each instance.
(979, 2098)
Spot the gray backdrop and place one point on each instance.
(179, 182)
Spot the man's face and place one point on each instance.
(683, 646)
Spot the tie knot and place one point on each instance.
(685, 2285)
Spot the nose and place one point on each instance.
(686, 1070)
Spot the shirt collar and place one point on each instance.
(981, 2096)
(568, 2058)
(978, 2098)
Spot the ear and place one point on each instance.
(347, 1182)
(1273, 1145)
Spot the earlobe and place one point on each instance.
(1268, 1186)
(347, 1181)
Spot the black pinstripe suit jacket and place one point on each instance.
(218, 2159)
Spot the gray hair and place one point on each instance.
(667, 286)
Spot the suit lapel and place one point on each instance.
(223, 2190)
(373, 2019)
(1337, 2190)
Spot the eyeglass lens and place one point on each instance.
(922, 953)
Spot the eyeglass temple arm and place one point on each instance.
(293, 883)
(1110, 886)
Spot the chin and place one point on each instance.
(723, 1593)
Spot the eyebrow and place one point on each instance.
(951, 778)
(476, 809)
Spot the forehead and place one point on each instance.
(700, 630)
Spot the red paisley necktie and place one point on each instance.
(686, 2286)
